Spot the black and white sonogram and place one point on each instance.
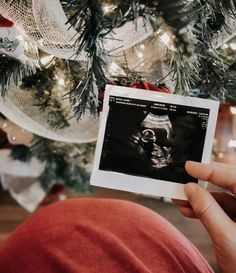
(152, 139)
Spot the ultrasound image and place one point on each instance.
(151, 139)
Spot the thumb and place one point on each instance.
(206, 208)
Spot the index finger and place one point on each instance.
(216, 173)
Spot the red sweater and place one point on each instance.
(99, 236)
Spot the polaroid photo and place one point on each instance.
(146, 137)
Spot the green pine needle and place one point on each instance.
(11, 72)
(64, 164)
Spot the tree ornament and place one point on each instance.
(148, 86)
(5, 23)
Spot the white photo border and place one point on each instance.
(145, 185)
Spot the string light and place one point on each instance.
(142, 46)
(47, 60)
(165, 38)
(232, 46)
(140, 55)
(108, 8)
(61, 82)
(4, 125)
(224, 46)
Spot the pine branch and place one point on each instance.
(45, 86)
(127, 11)
(226, 7)
(11, 71)
(84, 96)
(205, 69)
(178, 15)
(216, 79)
(63, 163)
(21, 153)
(129, 76)
(213, 69)
(87, 18)
(175, 13)
(185, 71)
(230, 95)
(61, 167)
(92, 25)
(212, 19)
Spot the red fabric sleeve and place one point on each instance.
(99, 236)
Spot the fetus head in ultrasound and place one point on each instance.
(153, 139)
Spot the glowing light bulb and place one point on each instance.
(140, 55)
(233, 46)
(165, 38)
(61, 82)
(4, 125)
(46, 60)
(108, 8)
(142, 46)
(224, 46)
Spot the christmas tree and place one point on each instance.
(57, 56)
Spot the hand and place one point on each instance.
(217, 211)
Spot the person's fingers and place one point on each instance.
(223, 165)
(181, 203)
(187, 212)
(205, 207)
(226, 201)
(215, 173)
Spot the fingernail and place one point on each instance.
(190, 190)
(190, 163)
